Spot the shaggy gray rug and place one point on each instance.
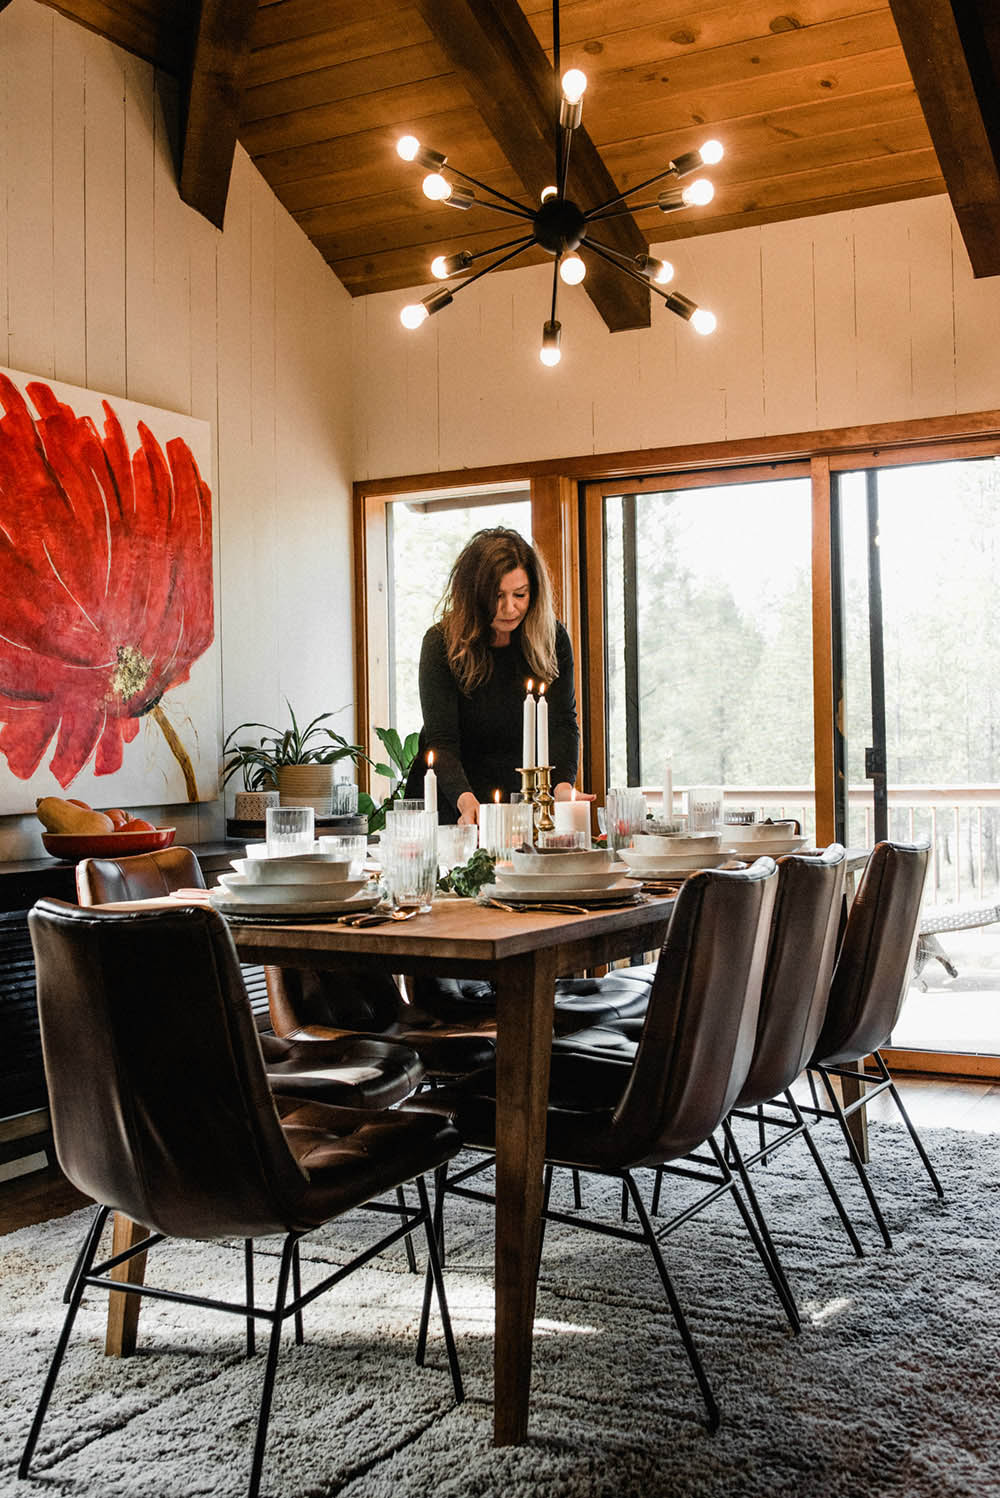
(892, 1388)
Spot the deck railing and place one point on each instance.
(962, 823)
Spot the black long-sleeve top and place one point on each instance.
(477, 739)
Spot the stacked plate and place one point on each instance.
(763, 839)
(309, 884)
(577, 876)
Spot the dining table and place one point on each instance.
(522, 951)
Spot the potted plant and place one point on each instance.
(402, 753)
(297, 762)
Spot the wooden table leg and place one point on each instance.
(525, 990)
(123, 1310)
(857, 1122)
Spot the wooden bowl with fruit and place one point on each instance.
(75, 830)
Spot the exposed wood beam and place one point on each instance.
(219, 55)
(953, 51)
(510, 80)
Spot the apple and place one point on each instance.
(84, 804)
(119, 817)
(137, 824)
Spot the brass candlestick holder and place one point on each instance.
(543, 799)
(529, 782)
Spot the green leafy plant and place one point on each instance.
(401, 754)
(258, 762)
(469, 878)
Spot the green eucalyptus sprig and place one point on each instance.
(468, 878)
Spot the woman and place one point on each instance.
(497, 631)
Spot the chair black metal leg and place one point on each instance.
(856, 1160)
(434, 1269)
(288, 1255)
(577, 1198)
(624, 1202)
(654, 1205)
(787, 1297)
(411, 1258)
(248, 1281)
(824, 1175)
(440, 1182)
(761, 1134)
(546, 1195)
(300, 1335)
(82, 1268)
(680, 1321)
(96, 1226)
(911, 1130)
(769, 1259)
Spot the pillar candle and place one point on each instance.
(543, 726)
(572, 816)
(430, 786)
(668, 791)
(528, 737)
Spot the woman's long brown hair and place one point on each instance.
(469, 607)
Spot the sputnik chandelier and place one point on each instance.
(558, 225)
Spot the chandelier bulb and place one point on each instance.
(407, 147)
(574, 84)
(572, 270)
(660, 271)
(548, 192)
(711, 153)
(550, 352)
(698, 193)
(439, 267)
(436, 187)
(703, 321)
(413, 315)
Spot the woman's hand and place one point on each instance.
(565, 792)
(468, 810)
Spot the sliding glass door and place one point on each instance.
(707, 629)
(920, 619)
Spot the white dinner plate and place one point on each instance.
(227, 904)
(238, 887)
(767, 847)
(519, 883)
(573, 862)
(309, 869)
(653, 865)
(612, 892)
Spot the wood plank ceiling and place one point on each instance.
(816, 107)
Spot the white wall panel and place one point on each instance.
(107, 279)
(839, 320)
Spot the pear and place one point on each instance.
(57, 815)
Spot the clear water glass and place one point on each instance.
(290, 830)
(410, 857)
(345, 799)
(456, 846)
(705, 807)
(352, 847)
(624, 815)
(504, 826)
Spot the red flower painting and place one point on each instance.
(105, 583)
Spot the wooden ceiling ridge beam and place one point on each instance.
(953, 52)
(212, 92)
(501, 63)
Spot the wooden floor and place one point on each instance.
(932, 1102)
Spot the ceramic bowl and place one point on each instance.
(574, 862)
(106, 844)
(238, 887)
(702, 842)
(311, 869)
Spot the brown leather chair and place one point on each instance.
(689, 1068)
(868, 991)
(161, 1110)
(345, 1069)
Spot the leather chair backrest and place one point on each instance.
(876, 955)
(801, 952)
(698, 1036)
(298, 997)
(142, 876)
(159, 1100)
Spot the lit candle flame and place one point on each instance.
(541, 689)
(496, 798)
(530, 686)
(430, 756)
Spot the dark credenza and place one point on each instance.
(23, 1100)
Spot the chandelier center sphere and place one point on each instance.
(559, 226)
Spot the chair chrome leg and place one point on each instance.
(856, 1160)
(82, 1268)
(96, 1226)
(434, 1270)
(680, 1320)
(248, 1281)
(411, 1258)
(288, 1256)
(300, 1335)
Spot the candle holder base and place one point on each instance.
(543, 799)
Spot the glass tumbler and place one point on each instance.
(456, 846)
(410, 858)
(291, 830)
(624, 814)
(353, 848)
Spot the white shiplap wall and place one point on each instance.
(844, 319)
(108, 280)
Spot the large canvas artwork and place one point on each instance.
(108, 661)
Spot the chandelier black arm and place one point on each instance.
(609, 255)
(478, 254)
(567, 137)
(555, 288)
(639, 186)
(557, 91)
(521, 209)
(523, 245)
